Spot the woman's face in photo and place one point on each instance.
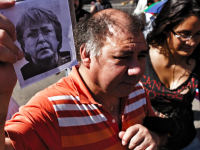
(189, 27)
(40, 42)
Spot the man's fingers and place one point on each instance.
(151, 147)
(6, 3)
(9, 56)
(6, 40)
(136, 141)
(130, 132)
(7, 47)
(8, 26)
(121, 134)
(142, 145)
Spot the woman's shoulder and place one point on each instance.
(156, 56)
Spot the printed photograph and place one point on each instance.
(44, 34)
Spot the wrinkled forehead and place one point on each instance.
(122, 33)
(127, 43)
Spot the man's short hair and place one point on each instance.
(93, 31)
(35, 16)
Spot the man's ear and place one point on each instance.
(85, 57)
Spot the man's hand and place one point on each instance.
(6, 3)
(138, 137)
(9, 54)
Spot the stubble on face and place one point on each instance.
(110, 73)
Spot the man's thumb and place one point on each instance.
(121, 134)
(7, 3)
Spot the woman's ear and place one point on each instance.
(85, 57)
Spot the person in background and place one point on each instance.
(149, 18)
(100, 5)
(172, 68)
(79, 11)
(150, 2)
(100, 105)
(142, 5)
(134, 2)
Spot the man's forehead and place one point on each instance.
(133, 47)
(127, 44)
(126, 38)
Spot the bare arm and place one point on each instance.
(9, 54)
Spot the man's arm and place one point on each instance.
(143, 136)
(9, 54)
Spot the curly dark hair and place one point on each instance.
(93, 30)
(173, 13)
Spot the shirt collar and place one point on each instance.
(81, 89)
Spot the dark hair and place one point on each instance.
(80, 6)
(34, 16)
(150, 1)
(173, 13)
(93, 30)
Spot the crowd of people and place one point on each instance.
(128, 91)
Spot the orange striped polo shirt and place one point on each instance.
(64, 116)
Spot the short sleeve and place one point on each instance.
(34, 126)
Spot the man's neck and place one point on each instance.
(108, 101)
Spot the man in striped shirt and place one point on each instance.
(100, 105)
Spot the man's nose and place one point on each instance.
(134, 69)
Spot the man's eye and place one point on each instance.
(122, 57)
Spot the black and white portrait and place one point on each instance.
(45, 36)
(40, 35)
